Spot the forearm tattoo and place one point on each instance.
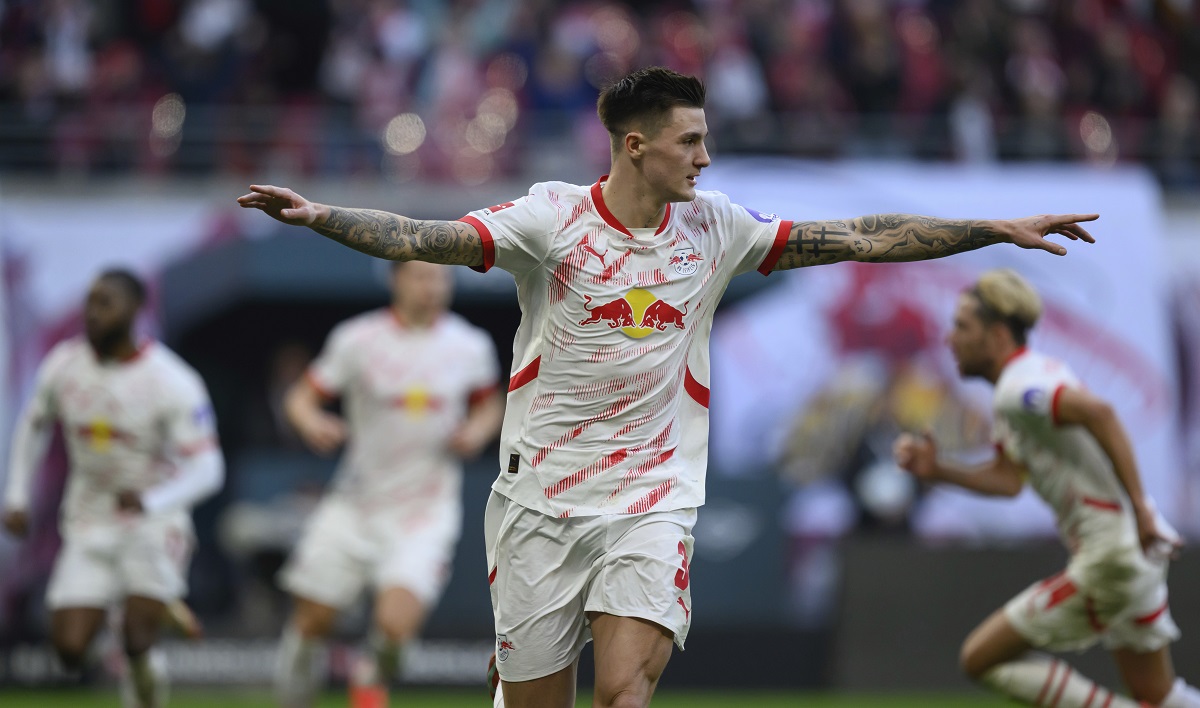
(398, 238)
(882, 238)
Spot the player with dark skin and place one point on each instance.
(109, 315)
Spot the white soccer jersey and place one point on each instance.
(404, 392)
(608, 401)
(1067, 467)
(126, 424)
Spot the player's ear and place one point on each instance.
(635, 144)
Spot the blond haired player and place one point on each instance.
(143, 450)
(418, 389)
(605, 439)
(1068, 444)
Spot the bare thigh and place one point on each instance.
(995, 641)
(398, 613)
(144, 618)
(631, 655)
(1148, 675)
(312, 619)
(554, 691)
(72, 630)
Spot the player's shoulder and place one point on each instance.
(363, 325)
(459, 331)
(66, 354)
(171, 369)
(1032, 375)
(715, 202)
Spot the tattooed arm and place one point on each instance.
(376, 233)
(887, 238)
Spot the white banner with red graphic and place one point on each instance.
(815, 375)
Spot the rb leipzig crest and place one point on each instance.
(685, 260)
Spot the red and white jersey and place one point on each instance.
(404, 393)
(126, 423)
(608, 401)
(1067, 467)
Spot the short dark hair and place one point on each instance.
(132, 284)
(647, 94)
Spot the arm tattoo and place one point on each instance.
(883, 238)
(398, 238)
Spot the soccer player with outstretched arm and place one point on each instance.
(419, 392)
(142, 445)
(1068, 443)
(605, 437)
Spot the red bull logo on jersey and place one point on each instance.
(101, 434)
(637, 313)
(685, 260)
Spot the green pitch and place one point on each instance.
(478, 699)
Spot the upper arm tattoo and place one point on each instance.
(882, 238)
(398, 238)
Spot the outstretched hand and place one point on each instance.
(1031, 231)
(280, 203)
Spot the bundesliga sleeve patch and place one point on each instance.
(759, 216)
(1035, 400)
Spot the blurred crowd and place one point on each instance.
(466, 90)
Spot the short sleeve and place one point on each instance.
(332, 370)
(517, 235)
(756, 240)
(43, 404)
(191, 423)
(485, 372)
(1031, 398)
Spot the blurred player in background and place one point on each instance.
(142, 445)
(605, 440)
(419, 392)
(1071, 447)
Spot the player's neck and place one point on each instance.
(631, 201)
(1005, 357)
(122, 349)
(412, 318)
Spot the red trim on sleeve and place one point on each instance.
(772, 259)
(481, 394)
(698, 391)
(489, 245)
(1103, 504)
(492, 576)
(1054, 403)
(1147, 619)
(197, 447)
(524, 376)
(322, 391)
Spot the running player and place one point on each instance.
(605, 438)
(1071, 447)
(143, 450)
(419, 390)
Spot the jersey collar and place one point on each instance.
(1022, 351)
(602, 209)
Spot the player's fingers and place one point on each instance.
(1050, 246)
(272, 191)
(1080, 232)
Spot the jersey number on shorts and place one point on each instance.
(681, 575)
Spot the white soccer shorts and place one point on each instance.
(1120, 600)
(101, 564)
(547, 573)
(343, 550)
